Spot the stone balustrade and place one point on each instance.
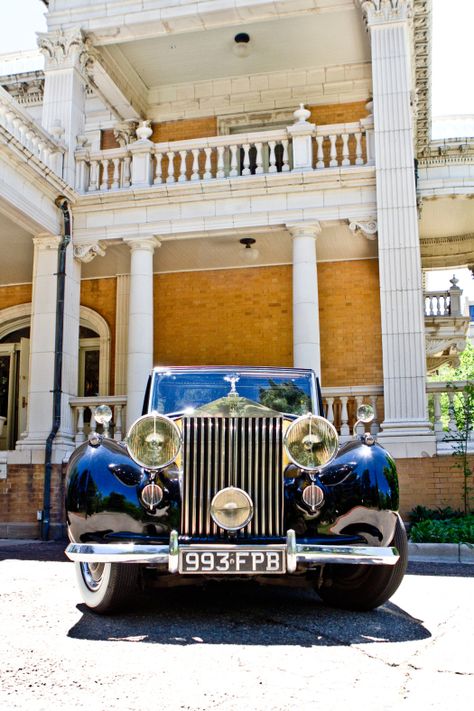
(21, 126)
(144, 163)
(455, 397)
(340, 407)
(83, 408)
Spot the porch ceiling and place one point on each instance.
(222, 251)
(16, 250)
(447, 232)
(290, 43)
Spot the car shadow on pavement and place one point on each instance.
(34, 550)
(246, 614)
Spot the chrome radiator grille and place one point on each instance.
(245, 452)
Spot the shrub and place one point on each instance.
(422, 513)
(451, 530)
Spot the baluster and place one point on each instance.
(360, 429)
(234, 165)
(105, 174)
(116, 176)
(126, 177)
(246, 161)
(93, 423)
(195, 166)
(438, 424)
(118, 423)
(80, 436)
(285, 158)
(258, 159)
(94, 175)
(359, 159)
(320, 156)
(158, 177)
(220, 162)
(345, 431)
(452, 426)
(333, 151)
(330, 410)
(272, 157)
(374, 425)
(170, 178)
(345, 149)
(182, 167)
(207, 165)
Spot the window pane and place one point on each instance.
(91, 374)
(4, 378)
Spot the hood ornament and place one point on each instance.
(232, 379)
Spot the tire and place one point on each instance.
(107, 587)
(364, 587)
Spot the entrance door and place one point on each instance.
(23, 368)
(8, 372)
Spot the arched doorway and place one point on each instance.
(94, 365)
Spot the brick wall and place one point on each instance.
(236, 316)
(15, 295)
(21, 496)
(349, 313)
(432, 482)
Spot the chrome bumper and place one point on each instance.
(168, 555)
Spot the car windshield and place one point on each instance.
(289, 392)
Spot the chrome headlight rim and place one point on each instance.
(318, 419)
(174, 428)
(248, 498)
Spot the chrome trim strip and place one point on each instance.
(117, 553)
(297, 553)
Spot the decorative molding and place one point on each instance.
(147, 244)
(47, 241)
(365, 228)
(85, 253)
(377, 12)
(125, 132)
(422, 61)
(27, 88)
(65, 48)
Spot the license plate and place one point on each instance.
(225, 562)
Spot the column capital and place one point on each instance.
(87, 252)
(143, 244)
(47, 241)
(64, 49)
(382, 12)
(304, 229)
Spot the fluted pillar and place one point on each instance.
(140, 323)
(66, 55)
(401, 295)
(306, 341)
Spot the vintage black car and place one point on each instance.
(234, 471)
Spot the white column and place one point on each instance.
(42, 348)
(140, 323)
(64, 89)
(401, 295)
(306, 341)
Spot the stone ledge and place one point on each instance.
(441, 552)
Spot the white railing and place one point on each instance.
(143, 163)
(437, 303)
(340, 407)
(83, 415)
(31, 136)
(455, 396)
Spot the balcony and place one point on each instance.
(446, 328)
(300, 147)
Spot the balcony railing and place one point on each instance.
(31, 136)
(144, 163)
(446, 426)
(83, 415)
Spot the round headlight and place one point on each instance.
(154, 441)
(231, 508)
(311, 442)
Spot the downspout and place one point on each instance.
(63, 205)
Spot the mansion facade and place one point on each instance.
(232, 183)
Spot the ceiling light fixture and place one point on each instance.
(248, 254)
(242, 45)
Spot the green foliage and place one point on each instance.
(285, 397)
(451, 530)
(422, 513)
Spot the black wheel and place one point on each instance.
(107, 587)
(363, 587)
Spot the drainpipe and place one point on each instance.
(63, 205)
